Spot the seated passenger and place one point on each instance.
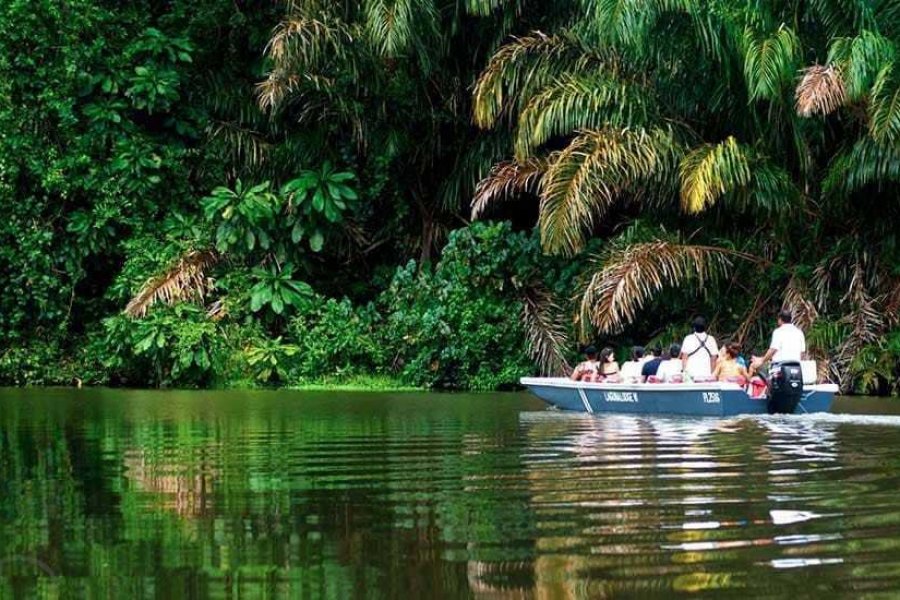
(631, 369)
(671, 370)
(609, 368)
(651, 365)
(587, 369)
(728, 368)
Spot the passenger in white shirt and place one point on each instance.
(699, 351)
(672, 366)
(788, 343)
(631, 369)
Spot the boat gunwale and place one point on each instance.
(724, 386)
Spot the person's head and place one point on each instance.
(785, 316)
(590, 352)
(637, 353)
(699, 324)
(732, 350)
(675, 350)
(607, 355)
(655, 350)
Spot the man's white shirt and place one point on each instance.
(699, 362)
(788, 342)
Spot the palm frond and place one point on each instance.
(625, 23)
(770, 63)
(545, 327)
(584, 180)
(866, 163)
(796, 298)
(393, 27)
(505, 179)
(520, 68)
(485, 8)
(771, 189)
(821, 91)
(884, 107)
(860, 59)
(865, 322)
(631, 277)
(305, 41)
(711, 170)
(842, 16)
(579, 101)
(243, 145)
(184, 280)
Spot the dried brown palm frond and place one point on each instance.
(866, 323)
(305, 39)
(545, 327)
(892, 304)
(821, 91)
(821, 283)
(630, 278)
(796, 298)
(184, 280)
(278, 85)
(505, 179)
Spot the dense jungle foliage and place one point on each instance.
(254, 192)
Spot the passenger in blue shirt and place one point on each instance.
(652, 365)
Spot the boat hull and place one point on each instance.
(701, 399)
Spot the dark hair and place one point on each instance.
(655, 350)
(785, 315)
(637, 353)
(733, 349)
(590, 351)
(675, 350)
(699, 324)
(605, 354)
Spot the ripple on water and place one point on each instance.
(440, 497)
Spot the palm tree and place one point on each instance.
(775, 126)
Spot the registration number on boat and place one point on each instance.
(711, 398)
(621, 397)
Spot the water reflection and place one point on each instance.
(174, 495)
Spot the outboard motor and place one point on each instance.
(785, 388)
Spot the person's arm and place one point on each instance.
(576, 373)
(761, 360)
(717, 369)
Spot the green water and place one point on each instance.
(126, 494)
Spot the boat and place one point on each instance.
(713, 399)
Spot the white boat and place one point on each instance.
(702, 399)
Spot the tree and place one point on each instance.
(692, 116)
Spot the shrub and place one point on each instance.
(460, 326)
(335, 338)
(172, 346)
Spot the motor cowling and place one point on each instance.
(785, 387)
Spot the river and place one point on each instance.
(237, 494)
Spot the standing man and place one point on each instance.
(788, 343)
(699, 351)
